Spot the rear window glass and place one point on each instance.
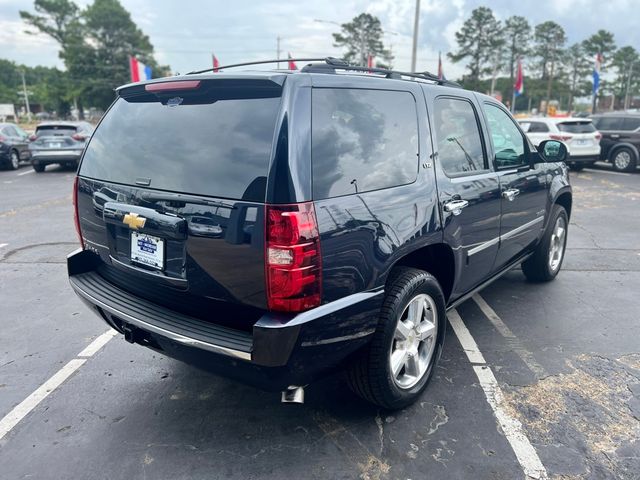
(55, 130)
(576, 127)
(214, 147)
(362, 140)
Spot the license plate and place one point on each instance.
(583, 142)
(147, 250)
(55, 145)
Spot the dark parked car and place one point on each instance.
(351, 212)
(14, 145)
(58, 142)
(620, 139)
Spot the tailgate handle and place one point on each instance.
(165, 225)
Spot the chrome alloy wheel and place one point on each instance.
(622, 160)
(15, 160)
(414, 341)
(557, 244)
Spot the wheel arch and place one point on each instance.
(565, 199)
(614, 149)
(437, 259)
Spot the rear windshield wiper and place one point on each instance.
(181, 198)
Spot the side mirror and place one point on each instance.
(553, 151)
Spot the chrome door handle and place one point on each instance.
(614, 135)
(455, 206)
(511, 194)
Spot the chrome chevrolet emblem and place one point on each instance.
(134, 221)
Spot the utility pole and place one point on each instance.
(26, 96)
(416, 25)
(278, 50)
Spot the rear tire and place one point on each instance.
(576, 167)
(38, 168)
(410, 335)
(546, 262)
(624, 160)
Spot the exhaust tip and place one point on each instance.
(293, 394)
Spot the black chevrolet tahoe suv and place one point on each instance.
(275, 226)
(620, 139)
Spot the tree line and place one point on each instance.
(94, 42)
(553, 69)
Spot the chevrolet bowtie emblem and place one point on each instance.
(134, 221)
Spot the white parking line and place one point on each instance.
(525, 355)
(43, 391)
(605, 171)
(511, 426)
(25, 173)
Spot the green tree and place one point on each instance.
(549, 43)
(578, 69)
(517, 35)
(479, 40)
(362, 36)
(95, 45)
(626, 62)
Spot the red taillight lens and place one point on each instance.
(33, 137)
(292, 257)
(2, 139)
(79, 137)
(562, 138)
(76, 216)
(598, 136)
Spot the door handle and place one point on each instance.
(455, 206)
(511, 194)
(614, 135)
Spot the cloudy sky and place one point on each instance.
(185, 33)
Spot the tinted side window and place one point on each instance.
(362, 140)
(608, 123)
(631, 123)
(538, 127)
(458, 137)
(508, 142)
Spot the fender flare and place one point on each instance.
(620, 145)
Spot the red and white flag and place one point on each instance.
(292, 64)
(216, 63)
(518, 87)
(370, 61)
(139, 71)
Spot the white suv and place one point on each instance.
(578, 134)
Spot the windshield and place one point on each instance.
(220, 148)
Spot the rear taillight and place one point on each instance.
(76, 215)
(2, 139)
(33, 137)
(562, 138)
(292, 257)
(79, 137)
(598, 136)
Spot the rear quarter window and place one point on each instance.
(362, 140)
(631, 123)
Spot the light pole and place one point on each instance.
(26, 96)
(416, 25)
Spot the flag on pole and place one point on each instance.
(518, 87)
(292, 65)
(216, 63)
(369, 61)
(596, 73)
(139, 71)
(440, 70)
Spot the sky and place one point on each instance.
(185, 33)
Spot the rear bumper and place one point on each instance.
(45, 157)
(281, 350)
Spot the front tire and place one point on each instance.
(546, 262)
(14, 160)
(394, 370)
(38, 167)
(624, 160)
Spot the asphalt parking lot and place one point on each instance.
(566, 357)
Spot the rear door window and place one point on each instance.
(576, 127)
(215, 144)
(460, 149)
(362, 140)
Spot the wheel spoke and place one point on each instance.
(402, 331)
(426, 330)
(413, 364)
(398, 360)
(416, 309)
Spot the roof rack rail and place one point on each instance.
(332, 64)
